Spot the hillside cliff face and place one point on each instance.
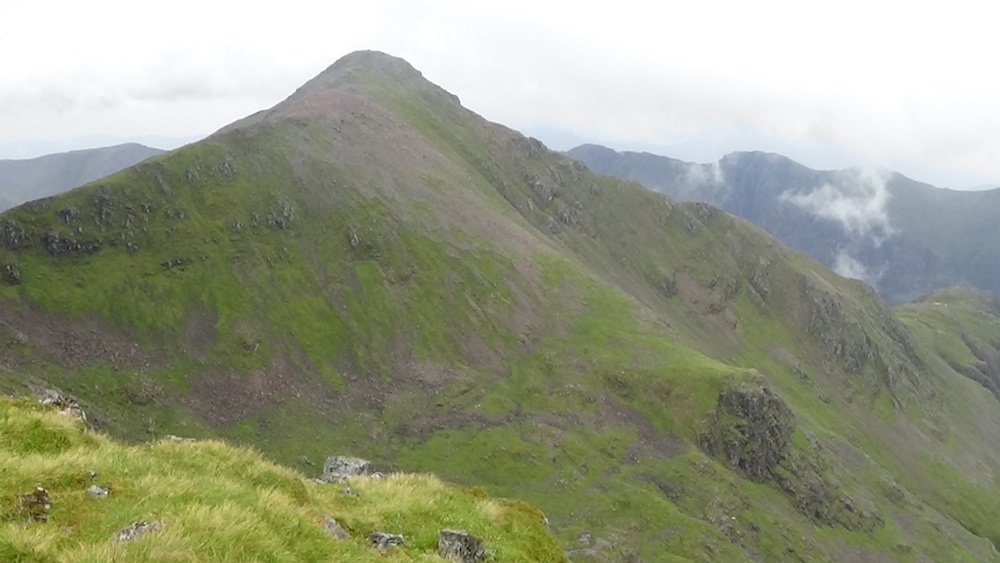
(23, 180)
(370, 268)
(903, 237)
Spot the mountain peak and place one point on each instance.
(375, 60)
(352, 67)
(355, 79)
(755, 156)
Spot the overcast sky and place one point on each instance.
(907, 86)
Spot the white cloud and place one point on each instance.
(857, 200)
(700, 174)
(847, 266)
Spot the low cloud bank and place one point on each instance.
(857, 199)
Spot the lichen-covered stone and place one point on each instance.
(69, 215)
(66, 405)
(338, 467)
(668, 287)
(12, 237)
(281, 220)
(10, 273)
(35, 505)
(136, 529)
(98, 491)
(333, 528)
(63, 245)
(175, 262)
(760, 281)
(459, 545)
(383, 540)
(103, 205)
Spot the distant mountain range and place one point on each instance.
(903, 237)
(27, 179)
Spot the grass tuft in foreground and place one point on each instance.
(215, 502)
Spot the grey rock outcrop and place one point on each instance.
(760, 281)
(843, 340)
(62, 245)
(10, 273)
(383, 540)
(98, 491)
(337, 468)
(333, 528)
(459, 545)
(35, 505)
(281, 219)
(136, 529)
(669, 286)
(751, 428)
(103, 205)
(69, 215)
(65, 405)
(591, 547)
(175, 262)
(804, 478)
(12, 237)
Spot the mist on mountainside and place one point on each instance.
(903, 237)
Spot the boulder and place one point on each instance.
(176, 262)
(383, 540)
(281, 219)
(669, 286)
(177, 439)
(332, 527)
(338, 468)
(10, 273)
(459, 545)
(760, 281)
(65, 405)
(12, 237)
(103, 205)
(98, 491)
(57, 244)
(35, 505)
(69, 214)
(136, 529)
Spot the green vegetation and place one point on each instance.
(221, 503)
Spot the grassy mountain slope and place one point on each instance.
(369, 268)
(221, 503)
(23, 180)
(904, 237)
